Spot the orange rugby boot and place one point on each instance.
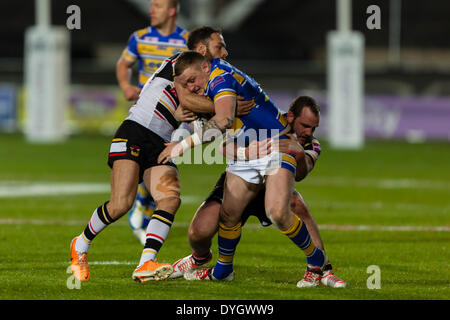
(79, 263)
(152, 270)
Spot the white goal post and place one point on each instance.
(345, 82)
(47, 78)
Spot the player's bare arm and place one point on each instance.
(200, 104)
(255, 150)
(221, 121)
(123, 74)
(191, 101)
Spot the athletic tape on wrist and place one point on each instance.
(184, 144)
(241, 154)
(196, 139)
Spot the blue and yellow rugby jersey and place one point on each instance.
(265, 119)
(150, 49)
(226, 80)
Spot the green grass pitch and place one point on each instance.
(355, 196)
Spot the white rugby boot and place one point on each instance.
(311, 278)
(329, 279)
(205, 274)
(184, 264)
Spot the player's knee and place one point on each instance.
(118, 207)
(169, 204)
(201, 231)
(167, 193)
(279, 217)
(196, 234)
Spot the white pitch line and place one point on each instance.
(14, 189)
(379, 183)
(109, 263)
(183, 224)
(377, 205)
(341, 227)
(39, 189)
(17, 189)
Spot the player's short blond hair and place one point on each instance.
(187, 59)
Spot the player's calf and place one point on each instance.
(299, 235)
(100, 219)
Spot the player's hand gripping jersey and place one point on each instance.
(150, 49)
(158, 102)
(264, 121)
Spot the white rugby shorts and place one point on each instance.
(255, 171)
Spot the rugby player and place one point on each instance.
(133, 159)
(304, 117)
(222, 83)
(149, 47)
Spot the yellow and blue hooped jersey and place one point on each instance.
(226, 80)
(265, 120)
(150, 49)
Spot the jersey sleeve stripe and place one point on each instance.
(223, 94)
(128, 55)
(290, 159)
(312, 154)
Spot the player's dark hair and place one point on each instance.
(301, 102)
(187, 59)
(200, 34)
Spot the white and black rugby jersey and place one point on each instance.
(158, 101)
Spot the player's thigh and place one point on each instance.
(279, 188)
(237, 195)
(124, 182)
(163, 183)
